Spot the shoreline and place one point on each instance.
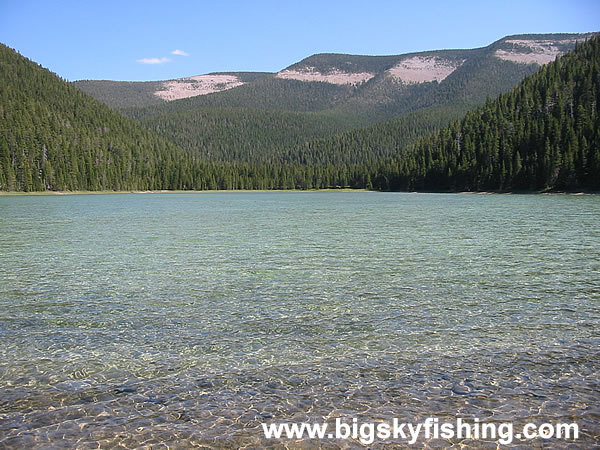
(246, 191)
(165, 191)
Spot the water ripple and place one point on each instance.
(191, 319)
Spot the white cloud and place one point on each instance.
(179, 52)
(153, 60)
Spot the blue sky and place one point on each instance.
(135, 40)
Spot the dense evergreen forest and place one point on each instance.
(283, 121)
(248, 135)
(55, 137)
(541, 135)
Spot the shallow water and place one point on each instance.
(191, 319)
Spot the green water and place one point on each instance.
(190, 319)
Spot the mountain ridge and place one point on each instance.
(331, 68)
(322, 110)
(55, 137)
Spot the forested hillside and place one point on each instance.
(293, 112)
(55, 137)
(122, 94)
(479, 75)
(386, 90)
(267, 93)
(246, 135)
(543, 135)
(127, 94)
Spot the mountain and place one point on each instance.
(123, 94)
(542, 135)
(55, 137)
(243, 134)
(368, 88)
(330, 96)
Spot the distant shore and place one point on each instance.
(247, 191)
(232, 191)
(214, 191)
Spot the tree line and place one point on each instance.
(541, 135)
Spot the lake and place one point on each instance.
(190, 319)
